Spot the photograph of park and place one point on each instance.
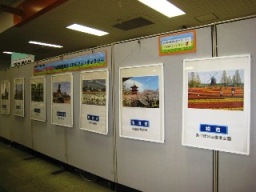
(222, 90)
(61, 92)
(37, 92)
(94, 92)
(142, 91)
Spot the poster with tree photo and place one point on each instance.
(216, 103)
(62, 99)
(18, 85)
(5, 97)
(94, 101)
(38, 98)
(142, 103)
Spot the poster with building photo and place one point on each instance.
(5, 97)
(94, 101)
(18, 86)
(38, 99)
(141, 106)
(216, 103)
(62, 99)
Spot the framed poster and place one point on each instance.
(94, 101)
(216, 103)
(5, 97)
(62, 99)
(18, 85)
(141, 105)
(38, 98)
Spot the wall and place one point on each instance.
(146, 166)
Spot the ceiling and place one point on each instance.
(105, 14)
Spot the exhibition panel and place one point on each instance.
(237, 172)
(150, 166)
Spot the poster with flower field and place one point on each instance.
(94, 101)
(216, 103)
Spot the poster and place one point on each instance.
(141, 112)
(62, 99)
(38, 98)
(183, 42)
(94, 101)
(18, 86)
(216, 103)
(5, 97)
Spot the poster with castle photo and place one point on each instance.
(5, 97)
(38, 98)
(141, 106)
(216, 103)
(62, 99)
(94, 101)
(18, 86)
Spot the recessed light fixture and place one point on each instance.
(86, 29)
(164, 7)
(7, 52)
(45, 44)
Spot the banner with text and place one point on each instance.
(89, 61)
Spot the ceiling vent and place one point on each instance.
(133, 24)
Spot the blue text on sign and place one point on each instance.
(93, 118)
(139, 123)
(61, 114)
(219, 129)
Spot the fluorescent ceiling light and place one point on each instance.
(164, 7)
(7, 52)
(45, 44)
(85, 29)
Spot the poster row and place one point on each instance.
(216, 102)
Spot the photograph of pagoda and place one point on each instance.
(94, 92)
(61, 92)
(140, 91)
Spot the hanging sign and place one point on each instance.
(93, 60)
(216, 103)
(183, 42)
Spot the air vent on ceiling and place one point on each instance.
(133, 24)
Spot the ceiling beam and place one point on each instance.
(11, 10)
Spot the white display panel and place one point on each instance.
(5, 98)
(141, 102)
(18, 92)
(94, 101)
(216, 103)
(38, 98)
(62, 99)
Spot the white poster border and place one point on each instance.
(106, 106)
(43, 79)
(20, 102)
(161, 97)
(218, 119)
(71, 101)
(9, 98)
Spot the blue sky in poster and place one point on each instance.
(143, 82)
(205, 77)
(65, 87)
